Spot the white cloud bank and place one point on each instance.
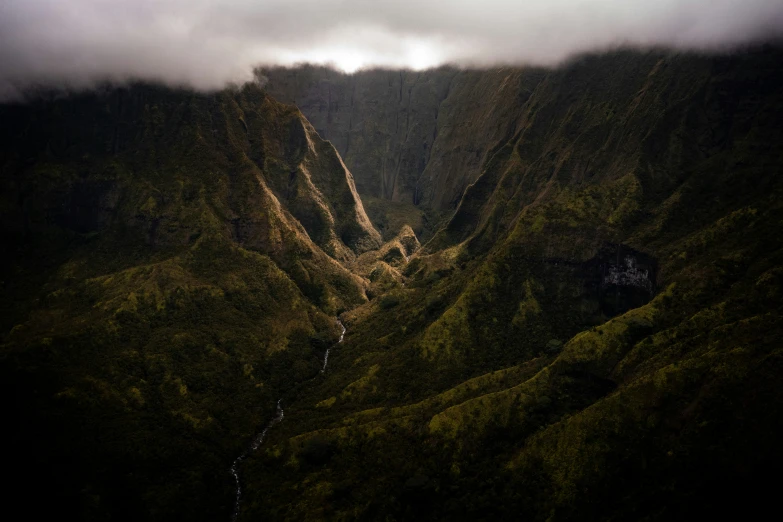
(208, 43)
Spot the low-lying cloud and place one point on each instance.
(206, 44)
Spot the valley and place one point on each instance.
(513, 293)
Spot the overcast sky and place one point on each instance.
(207, 43)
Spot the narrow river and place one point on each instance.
(326, 355)
(261, 436)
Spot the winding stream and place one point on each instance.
(278, 418)
(254, 446)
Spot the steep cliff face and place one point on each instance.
(383, 123)
(650, 131)
(424, 137)
(416, 137)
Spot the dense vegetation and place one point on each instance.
(594, 333)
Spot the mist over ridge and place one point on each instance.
(206, 44)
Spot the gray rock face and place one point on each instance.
(417, 137)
